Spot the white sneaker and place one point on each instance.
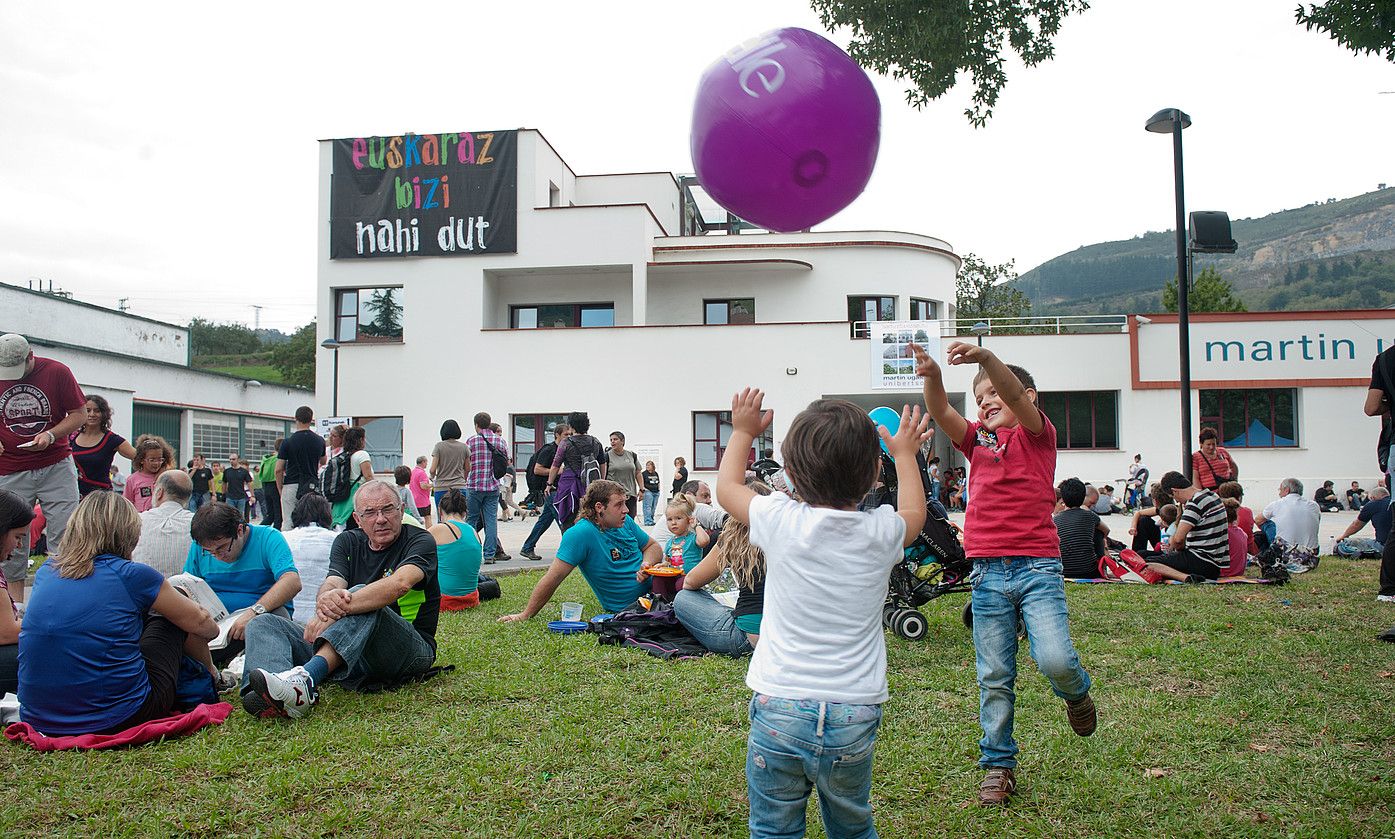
(290, 692)
(1385, 598)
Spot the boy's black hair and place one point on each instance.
(1174, 480)
(831, 453)
(1072, 492)
(580, 422)
(1022, 376)
(402, 475)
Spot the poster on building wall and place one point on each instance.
(892, 363)
(452, 194)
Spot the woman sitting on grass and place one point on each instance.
(93, 658)
(734, 631)
(458, 554)
(15, 516)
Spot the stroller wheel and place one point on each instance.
(910, 625)
(888, 613)
(967, 616)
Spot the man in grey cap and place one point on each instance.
(40, 405)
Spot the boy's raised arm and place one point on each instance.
(747, 422)
(1005, 382)
(910, 492)
(936, 400)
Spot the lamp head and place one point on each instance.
(981, 328)
(1162, 121)
(330, 344)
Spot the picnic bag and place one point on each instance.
(1128, 567)
(488, 587)
(656, 631)
(338, 482)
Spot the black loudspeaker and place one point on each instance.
(1210, 231)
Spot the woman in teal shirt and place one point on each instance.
(458, 554)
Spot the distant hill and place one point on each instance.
(1330, 255)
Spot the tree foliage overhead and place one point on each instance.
(929, 43)
(1210, 292)
(982, 291)
(1362, 26)
(209, 338)
(295, 359)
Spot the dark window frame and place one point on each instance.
(359, 336)
(1064, 429)
(578, 311)
(540, 424)
(728, 301)
(933, 304)
(863, 333)
(1217, 419)
(764, 445)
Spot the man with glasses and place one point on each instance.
(374, 622)
(249, 567)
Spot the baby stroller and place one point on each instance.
(934, 565)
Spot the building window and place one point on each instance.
(259, 436)
(924, 309)
(1262, 418)
(382, 441)
(368, 315)
(1084, 419)
(739, 310)
(531, 432)
(864, 309)
(561, 315)
(216, 436)
(712, 430)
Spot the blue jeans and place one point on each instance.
(545, 520)
(651, 500)
(240, 505)
(711, 623)
(197, 500)
(1034, 588)
(480, 506)
(799, 744)
(377, 647)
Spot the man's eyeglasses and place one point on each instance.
(379, 512)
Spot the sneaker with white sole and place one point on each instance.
(290, 693)
(1385, 598)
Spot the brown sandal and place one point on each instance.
(997, 787)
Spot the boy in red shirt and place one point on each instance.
(1009, 535)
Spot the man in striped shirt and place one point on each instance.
(1200, 547)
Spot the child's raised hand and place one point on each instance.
(924, 363)
(961, 352)
(910, 436)
(746, 413)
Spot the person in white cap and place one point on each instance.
(40, 406)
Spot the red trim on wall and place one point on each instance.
(875, 243)
(142, 400)
(1324, 314)
(1240, 384)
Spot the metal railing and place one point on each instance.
(1047, 325)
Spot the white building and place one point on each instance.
(142, 368)
(602, 303)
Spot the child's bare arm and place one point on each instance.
(747, 421)
(702, 536)
(936, 400)
(910, 492)
(1005, 382)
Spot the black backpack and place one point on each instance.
(500, 461)
(590, 471)
(338, 480)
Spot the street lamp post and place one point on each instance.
(331, 344)
(980, 329)
(1172, 121)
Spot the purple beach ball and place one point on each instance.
(785, 130)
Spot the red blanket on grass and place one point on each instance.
(176, 726)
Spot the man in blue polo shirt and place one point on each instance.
(609, 548)
(247, 566)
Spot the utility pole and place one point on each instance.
(256, 318)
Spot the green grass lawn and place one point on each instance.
(260, 372)
(1230, 710)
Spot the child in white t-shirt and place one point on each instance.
(819, 672)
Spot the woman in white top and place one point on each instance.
(361, 467)
(310, 539)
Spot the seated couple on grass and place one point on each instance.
(375, 616)
(730, 631)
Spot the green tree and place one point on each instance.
(387, 314)
(209, 338)
(929, 43)
(983, 291)
(1362, 26)
(295, 359)
(1210, 292)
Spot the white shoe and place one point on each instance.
(290, 692)
(1385, 598)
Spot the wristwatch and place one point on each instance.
(258, 609)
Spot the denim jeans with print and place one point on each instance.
(1034, 588)
(797, 745)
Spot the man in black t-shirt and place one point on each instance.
(1379, 400)
(1081, 533)
(201, 476)
(374, 622)
(298, 463)
(235, 481)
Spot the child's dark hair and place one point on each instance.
(403, 475)
(1175, 480)
(1168, 513)
(1072, 492)
(580, 421)
(1022, 376)
(1232, 510)
(831, 453)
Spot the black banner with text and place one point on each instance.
(424, 195)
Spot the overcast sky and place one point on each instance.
(166, 152)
